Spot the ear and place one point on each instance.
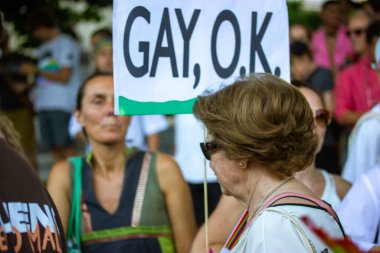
(243, 163)
(79, 117)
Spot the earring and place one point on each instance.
(241, 164)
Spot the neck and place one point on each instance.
(53, 34)
(108, 160)
(308, 176)
(265, 187)
(330, 32)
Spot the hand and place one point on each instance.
(28, 69)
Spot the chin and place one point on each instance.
(112, 140)
(224, 191)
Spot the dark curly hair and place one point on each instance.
(262, 118)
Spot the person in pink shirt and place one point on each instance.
(330, 45)
(358, 88)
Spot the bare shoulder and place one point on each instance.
(342, 186)
(168, 172)
(166, 163)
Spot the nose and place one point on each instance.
(110, 108)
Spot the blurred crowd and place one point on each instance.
(336, 65)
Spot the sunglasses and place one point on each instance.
(322, 117)
(206, 148)
(357, 32)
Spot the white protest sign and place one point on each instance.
(168, 52)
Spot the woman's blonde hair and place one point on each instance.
(262, 118)
(10, 135)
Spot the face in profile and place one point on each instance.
(97, 112)
(356, 30)
(318, 109)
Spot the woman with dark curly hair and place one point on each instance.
(260, 133)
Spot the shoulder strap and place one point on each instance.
(140, 191)
(316, 201)
(238, 230)
(73, 231)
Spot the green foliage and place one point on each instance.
(16, 13)
(298, 16)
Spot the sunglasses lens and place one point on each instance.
(205, 152)
(322, 118)
(356, 32)
(206, 148)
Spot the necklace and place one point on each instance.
(272, 192)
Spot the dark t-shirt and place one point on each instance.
(29, 220)
(321, 80)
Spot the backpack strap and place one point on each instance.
(73, 231)
(316, 201)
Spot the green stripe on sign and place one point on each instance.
(132, 107)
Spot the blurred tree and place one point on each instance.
(16, 13)
(299, 16)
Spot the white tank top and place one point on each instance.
(329, 194)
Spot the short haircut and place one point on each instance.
(373, 31)
(42, 18)
(262, 118)
(329, 3)
(103, 32)
(82, 88)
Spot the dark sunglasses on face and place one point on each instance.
(322, 117)
(206, 148)
(357, 32)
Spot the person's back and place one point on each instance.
(29, 220)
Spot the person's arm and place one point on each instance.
(58, 186)
(221, 222)
(62, 75)
(343, 100)
(350, 118)
(359, 212)
(178, 202)
(153, 141)
(374, 249)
